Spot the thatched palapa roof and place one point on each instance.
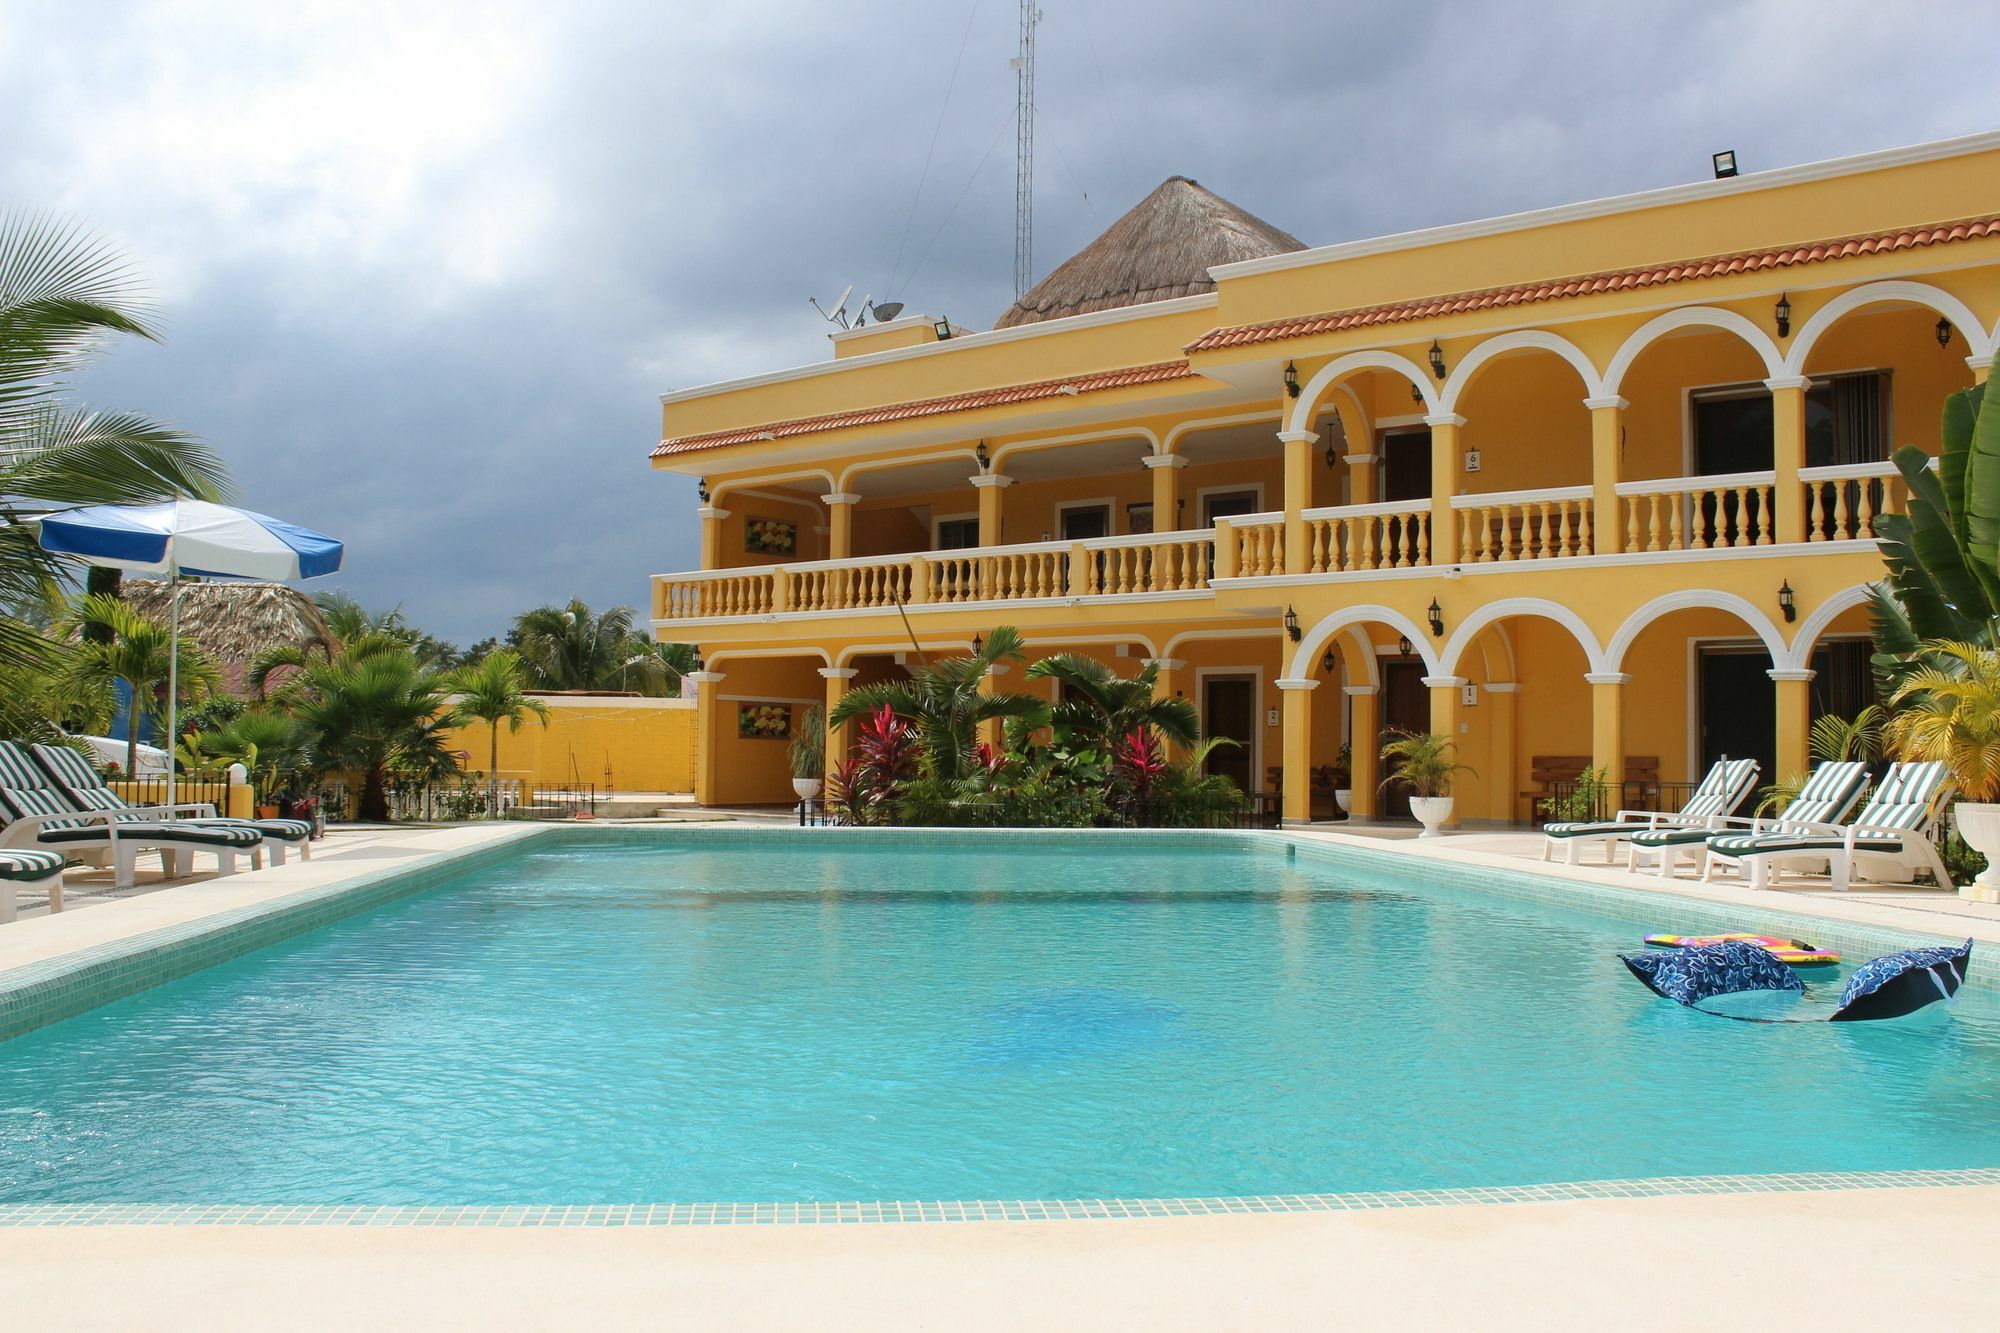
(235, 622)
(1163, 248)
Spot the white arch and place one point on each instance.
(1874, 293)
(890, 464)
(1690, 317)
(930, 645)
(1301, 416)
(1693, 599)
(1471, 627)
(1216, 423)
(1315, 641)
(1539, 339)
(731, 654)
(1509, 668)
(1815, 624)
(735, 484)
(1136, 434)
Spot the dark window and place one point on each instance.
(1847, 421)
(1843, 678)
(1085, 523)
(1227, 504)
(1406, 464)
(956, 534)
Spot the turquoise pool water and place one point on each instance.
(788, 1018)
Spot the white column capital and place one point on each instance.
(1788, 382)
(703, 677)
(1608, 677)
(985, 479)
(1445, 682)
(1791, 673)
(1290, 684)
(997, 670)
(1982, 362)
(1352, 690)
(1359, 458)
(1164, 460)
(841, 498)
(1437, 419)
(1503, 687)
(711, 512)
(1167, 663)
(1299, 436)
(839, 673)
(1613, 402)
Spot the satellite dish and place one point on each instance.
(838, 314)
(887, 311)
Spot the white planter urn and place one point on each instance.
(1431, 812)
(1979, 825)
(1344, 798)
(807, 788)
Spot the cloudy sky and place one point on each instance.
(424, 268)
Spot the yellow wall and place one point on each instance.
(645, 745)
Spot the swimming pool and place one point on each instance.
(682, 1016)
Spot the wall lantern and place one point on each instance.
(1437, 359)
(696, 661)
(1787, 603)
(1291, 379)
(978, 644)
(1943, 331)
(1416, 394)
(985, 459)
(1292, 625)
(701, 490)
(1332, 454)
(1437, 619)
(1783, 313)
(1725, 163)
(1403, 645)
(942, 328)
(1328, 663)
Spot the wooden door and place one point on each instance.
(1229, 708)
(1406, 706)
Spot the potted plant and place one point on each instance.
(1949, 713)
(1343, 778)
(1424, 764)
(808, 755)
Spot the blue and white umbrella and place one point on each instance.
(176, 537)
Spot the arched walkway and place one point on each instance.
(1691, 317)
(1693, 599)
(1520, 340)
(1818, 621)
(1306, 408)
(1492, 613)
(1314, 643)
(1876, 293)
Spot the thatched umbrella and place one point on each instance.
(235, 623)
(1163, 248)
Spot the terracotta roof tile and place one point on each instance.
(929, 407)
(1591, 284)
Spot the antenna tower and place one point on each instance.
(1024, 153)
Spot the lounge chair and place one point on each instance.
(1830, 792)
(35, 813)
(1727, 782)
(1890, 841)
(24, 868)
(75, 778)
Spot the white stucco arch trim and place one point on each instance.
(1686, 317)
(1307, 405)
(1695, 599)
(1031, 644)
(1137, 434)
(1173, 436)
(847, 476)
(1507, 607)
(1520, 340)
(1875, 293)
(737, 485)
(1823, 615)
(1200, 635)
(1314, 643)
(731, 654)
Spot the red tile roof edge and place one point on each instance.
(928, 407)
(1591, 284)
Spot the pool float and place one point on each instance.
(1796, 952)
(1887, 987)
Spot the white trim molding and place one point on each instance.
(1874, 293)
(1163, 460)
(1608, 677)
(1444, 682)
(986, 479)
(840, 498)
(1685, 317)
(1791, 673)
(1287, 683)
(839, 673)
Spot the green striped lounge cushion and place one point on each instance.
(73, 771)
(24, 865)
(1721, 790)
(205, 832)
(1901, 805)
(23, 802)
(1829, 793)
(19, 772)
(67, 767)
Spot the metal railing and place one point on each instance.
(1261, 810)
(1560, 801)
(189, 789)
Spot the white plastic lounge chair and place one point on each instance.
(1889, 842)
(36, 814)
(1831, 791)
(23, 868)
(75, 778)
(1727, 782)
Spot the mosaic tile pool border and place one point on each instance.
(974, 1210)
(38, 994)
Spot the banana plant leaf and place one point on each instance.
(1982, 482)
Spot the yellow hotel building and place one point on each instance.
(1591, 483)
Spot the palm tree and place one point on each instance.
(943, 701)
(62, 295)
(350, 621)
(490, 692)
(374, 710)
(1950, 713)
(1103, 708)
(574, 648)
(138, 651)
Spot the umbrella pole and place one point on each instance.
(173, 678)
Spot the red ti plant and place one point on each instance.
(883, 757)
(989, 761)
(1138, 761)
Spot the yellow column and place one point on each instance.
(1445, 698)
(836, 689)
(1788, 455)
(1607, 441)
(1446, 448)
(1607, 729)
(1225, 549)
(711, 536)
(1297, 782)
(1794, 690)
(839, 524)
(1361, 485)
(708, 730)
(1364, 752)
(1502, 782)
(1165, 686)
(989, 486)
(990, 730)
(1299, 447)
(1166, 470)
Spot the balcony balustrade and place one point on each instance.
(1523, 525)
(1724, 512)
(1843, 501)
(1344, 539)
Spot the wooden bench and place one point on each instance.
(1552, 772)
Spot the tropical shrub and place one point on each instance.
(1423, 763)
(130, 648)
(1949, 713)
(1831, 740)
(490, 691)
(943, 702)
(807, 751)
(1583, 798)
